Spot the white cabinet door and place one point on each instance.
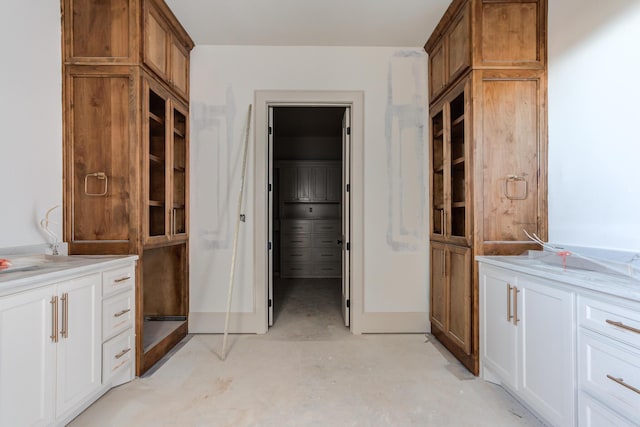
(80, 342)
(27, 359)
(546, 332)
(498, 333)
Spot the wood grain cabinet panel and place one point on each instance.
(126, 150)
(488, 152)
(110, 23)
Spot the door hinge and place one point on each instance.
(348, 188)
(348, 303)
(270, 303)
(269, 187)
(349, 130)
(269, 245)
(270, 130)
(348, 246)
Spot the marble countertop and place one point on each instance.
(32, 271)
(611, 284)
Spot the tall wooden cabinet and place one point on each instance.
(126, 153)
(488, 145)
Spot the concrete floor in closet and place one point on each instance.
(308, 370)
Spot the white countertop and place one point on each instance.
(31, 271)
(611, 284)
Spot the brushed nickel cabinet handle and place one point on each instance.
(123, 352)
(54, 318)
(122, 279)
(122, 313)
(515, 305)
(509, 315)
(623, 384)
(623, 326)
(64, 332)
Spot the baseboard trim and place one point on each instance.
(378, 323)
(213, 323)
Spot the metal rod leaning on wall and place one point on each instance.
(235, 237)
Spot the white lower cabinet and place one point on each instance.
(528, 341)
(51, 349)
(609, 362)
(27, 359)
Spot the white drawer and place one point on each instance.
(618, 322)
(118, 355)
(324, 241)
(296, 226)
(117, 314)
(296, 241)
(296, 254)
(118, 279)
(327, 269)
(605, 367)
(594, 414)
(327, 226)
(326, 255)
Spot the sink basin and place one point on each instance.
(35, 262)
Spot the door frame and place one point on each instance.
(269, 98)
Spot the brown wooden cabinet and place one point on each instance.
(488, 144)
(126, 153)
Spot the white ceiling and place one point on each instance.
(401, 23)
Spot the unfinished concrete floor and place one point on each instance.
(308, 370)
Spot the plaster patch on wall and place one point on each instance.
(404, 134)
(212, 127)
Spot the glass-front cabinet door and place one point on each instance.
(179, 140)
(450, 165)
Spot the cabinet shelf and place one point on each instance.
(458, 204)
(457, 161)
(438, 169)
(178, 132)
(457, 121)
(156, 203)
(179, 169)
(156, 118)
(438, 133)
(438, 206)
(179, 206)
(156, 159)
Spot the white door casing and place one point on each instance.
(346, 218)
(263, 101)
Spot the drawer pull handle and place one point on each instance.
(122, 279)
(122, 313)
(54, 318)
(123, 352)
(622, 383)
(623, 326)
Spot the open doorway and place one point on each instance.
(309, 213)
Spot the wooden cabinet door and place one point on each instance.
(157, 160)
(334, 183)
(459, 43)
(179, 68)
(179, 143)
(303, 183)
(547, 349)
(157, 38)
(27, 359)
(110, 26)
(288, 184)
(319, 184)
(459, 304)
(438, 285)
(513, 190)
(437, 70)
(437, 172)
(99, 149)
(498, 334)
(79, 352)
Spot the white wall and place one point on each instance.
(594, 137)
(223, 81)
(30, 119)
